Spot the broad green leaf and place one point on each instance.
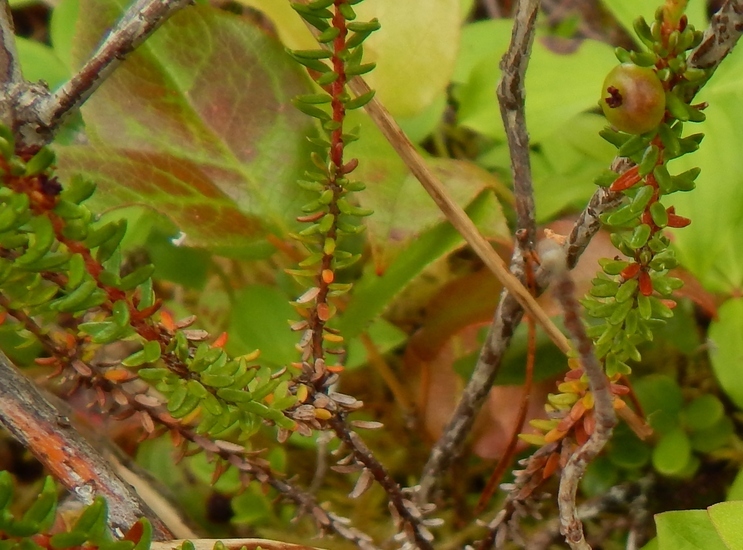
(420, 126)
(483, 40)
(197, 124)
(373, 293)
(687, 530)
(601, 475)
(175, 187)
(385, 337)
(251, 507)
(62, 28)
(566, 164)
(626, 11)
(465, 7)
(558, 86)
(726, 517)
(402, 208)
(288, 24)
(260, 320)
(40, 62)
(726, 351)
(414, 50)
(735, 491)
(406, 80)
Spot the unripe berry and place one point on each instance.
(633, 98)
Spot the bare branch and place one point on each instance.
(37, 425)
(11, 76)
(42, 113)
(720, 37)
(589, 222)
(606, 418)
(137, 399)
(511, 98)
(623, 499)
(411, 522)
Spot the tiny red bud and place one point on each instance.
(626, 180)
(630, 271)
(677, 221)
(551, 465)
(350, 166)
(221, 340)
(645, 284)
(311, 218)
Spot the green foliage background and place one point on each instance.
(194, 141)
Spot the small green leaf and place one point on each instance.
(234, 396)
(6, 489)
(311, 110)
(148, 354)
(216, 380)
(622, 216)
(360, 101)
(40, 162)
(641, 199)
(640, 236)
(93, 519)
(355, 70)
(68, 540)
(703, 412)
(649, 159)
(633, 145)
(613, 267)
(672, 453)
(76, 298)
(43, 511)
(686, 181)
(658, 214)
(136, 277)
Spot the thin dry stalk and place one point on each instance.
(455, 214)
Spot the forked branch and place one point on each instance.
(32, 111)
